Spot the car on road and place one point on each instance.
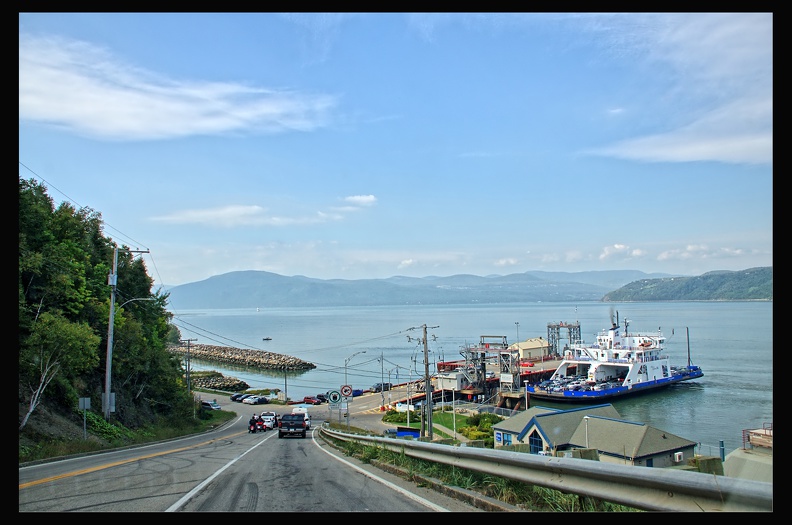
(381, 387)
(210, 405)
(312, 400)
(270, 415)
(255, 400)
(270, 420)
(322, 398)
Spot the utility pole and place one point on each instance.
(108, 399)
(427, 405)
(112, 280)
(188, 361)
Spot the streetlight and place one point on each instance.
(109, 364)
(382, 380)
(397, 380)
(518, 333)
(586, 418)
(346, 382)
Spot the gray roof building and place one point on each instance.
(548, 431)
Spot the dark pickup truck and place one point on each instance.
(292, 425)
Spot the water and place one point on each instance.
(360, 346)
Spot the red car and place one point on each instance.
(311, 400)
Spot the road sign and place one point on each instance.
(346, 391)
(334, 396)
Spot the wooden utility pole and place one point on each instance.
(427, 387)
(188, 361)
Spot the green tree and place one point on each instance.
(55, 345)
(64, 311)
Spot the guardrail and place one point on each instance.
(645, 488)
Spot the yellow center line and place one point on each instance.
(117, 463)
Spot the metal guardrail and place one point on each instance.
(645, 488)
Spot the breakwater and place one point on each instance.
(242, 357)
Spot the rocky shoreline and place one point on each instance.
(241, 357)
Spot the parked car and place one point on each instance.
(322, 398)
(239, 396)
(210, 405)
(311, 400)
(490, 374)
(255, 400)
(381, 387)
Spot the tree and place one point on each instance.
(64, 301)
(55, 344)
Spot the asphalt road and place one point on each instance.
(230, 470)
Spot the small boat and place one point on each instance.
(618, 364)
(266, 339)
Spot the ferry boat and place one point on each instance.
(620, 363)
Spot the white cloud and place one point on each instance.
(361, 200)
(240, 216)
(721, 77)
(508, 261)
(73, 85)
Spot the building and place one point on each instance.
(551, 432)
(533, 349)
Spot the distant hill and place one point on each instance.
(753, 284)
(252, 289)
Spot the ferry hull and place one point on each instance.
(597, 396)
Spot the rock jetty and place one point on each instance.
(241, 357)
(219, 382)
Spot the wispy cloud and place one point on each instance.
(721, 82)
(234, 216)
(361, 200)
(77, 86)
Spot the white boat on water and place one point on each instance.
(620, 363)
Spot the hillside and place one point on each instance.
(753, 284)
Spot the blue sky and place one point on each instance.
(354, 145)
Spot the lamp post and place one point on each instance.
(517, 323)
(397, 380)
(108, 398)
(382, 380)
(586, 418)
(346, 381)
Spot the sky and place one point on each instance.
(366, 146)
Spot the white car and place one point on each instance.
(269, 421)
(255, 400)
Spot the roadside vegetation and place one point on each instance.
(522, 495)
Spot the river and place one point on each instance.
(731, 341)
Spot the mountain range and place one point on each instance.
(252, 289)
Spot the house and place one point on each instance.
(534, 348)
(551, 432)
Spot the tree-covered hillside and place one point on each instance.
(753, 284)
(64, 313)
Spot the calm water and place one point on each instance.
(732, 342)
